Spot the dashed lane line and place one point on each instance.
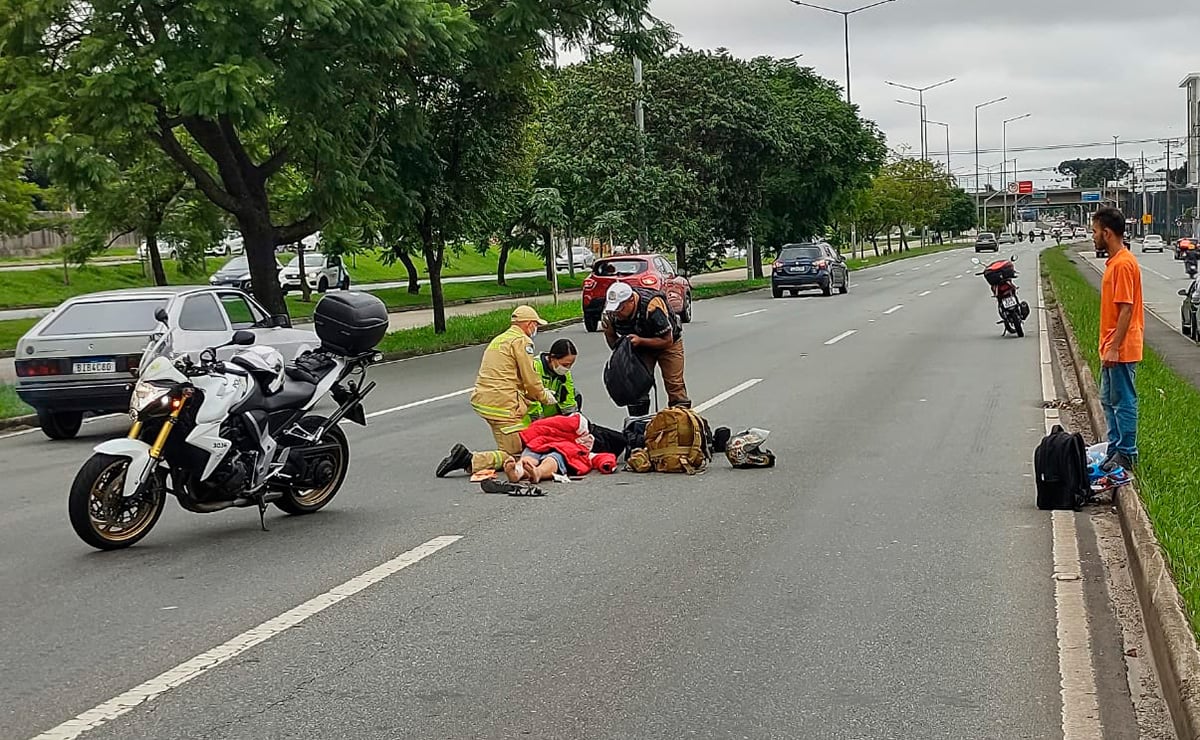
(841, 336)
(893, 310)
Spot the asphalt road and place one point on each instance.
(889, 579)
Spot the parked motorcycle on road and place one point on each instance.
(1013, 311)
(241, 432)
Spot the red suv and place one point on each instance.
(640, 271)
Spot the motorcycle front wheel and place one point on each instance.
(1018, 329)
(101, 514)
(307, 501)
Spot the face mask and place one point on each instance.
(559, 370)
(533, 333)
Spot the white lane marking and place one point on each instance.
(853, 285)
(942, 285)
(206, 661)
(899, 274)
(925, 265)
(423, 402)
(727, 395)
(1080, 711)
(749, 313)
(958, 277)
(842, 336)
(878, 279)
(925, 294)
(915, 269)
(893, 310)
(1156, 272)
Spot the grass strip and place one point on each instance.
(12, 330)
(467, 331)
(10, 405)
(1169, 471)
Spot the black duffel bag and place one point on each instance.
(626, 377)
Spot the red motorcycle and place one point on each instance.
(1013, 311)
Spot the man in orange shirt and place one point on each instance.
(1122, 323)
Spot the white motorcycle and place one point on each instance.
(232, 433)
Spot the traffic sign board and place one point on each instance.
(1013, 188)
(1147, 219)
(1091, 197)
(1025, 187)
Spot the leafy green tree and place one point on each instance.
(1093, 173)
(236, 94)
(958, 213)
(17, 195)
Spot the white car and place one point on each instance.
(321, 272)
(582, 257)
(227, 247)
(1154, 243)
(166, 250)
(1080, 233)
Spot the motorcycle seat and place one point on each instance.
(293, 395)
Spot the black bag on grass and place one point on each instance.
(626, 377)
(1060, 467)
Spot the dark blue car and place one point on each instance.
(812, 265)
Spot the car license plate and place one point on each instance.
(1010, 302)
(93, 366)
(800, 269)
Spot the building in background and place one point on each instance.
(1191, 83)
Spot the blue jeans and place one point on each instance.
(1118, 397)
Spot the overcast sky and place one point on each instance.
(1086, 69)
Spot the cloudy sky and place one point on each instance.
(1086, 69)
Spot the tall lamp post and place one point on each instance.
(922, 120)
(1004, 172)
(920, 91)
(977, 108)
(845, 14)
(947, 127)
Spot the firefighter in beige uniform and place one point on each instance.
(506, 385)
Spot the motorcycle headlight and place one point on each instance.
(149, 400)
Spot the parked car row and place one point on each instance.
(232, 245)
(320, 271)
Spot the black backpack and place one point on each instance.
(1060, 467)
(626, 377)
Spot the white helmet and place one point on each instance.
(745, 450)
(265, 364)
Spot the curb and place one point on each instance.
(13, 422)
(1172, 642)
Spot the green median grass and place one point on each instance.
(1168, 474)
(10, 405)
(730, 287)
(12, 330)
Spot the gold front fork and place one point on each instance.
(135, 431)
(157, 448)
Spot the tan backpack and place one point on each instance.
(678, 440)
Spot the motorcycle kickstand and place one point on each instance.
(262, 513)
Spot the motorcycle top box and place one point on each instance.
(997, 273)
(350, 324)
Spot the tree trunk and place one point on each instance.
(548, 249)
(889, 242)
(570, 252)
(875, 244)
(434, 252)
(156, 265)
(755, 256)
(502, 264)
(305, 290)
(259, 240)
(414, 281)
(681, 258)
(903, 240)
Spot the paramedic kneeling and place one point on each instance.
(655, 333)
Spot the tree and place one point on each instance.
(236, 94)
(1093, 173)
(957, 215)
(16, 195)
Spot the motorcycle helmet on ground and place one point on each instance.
(745, 450)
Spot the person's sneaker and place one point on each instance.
(1117, 461)
(458, 459)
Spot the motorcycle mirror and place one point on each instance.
(1183, 292)
(1014, 258)
(160, 314)
(243, 338)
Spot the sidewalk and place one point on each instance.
(423, 317)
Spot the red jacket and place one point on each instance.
(566, 435)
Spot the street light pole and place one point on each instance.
(1005, 169)
(981, 105)
(947, 127)
(922, 121)
(845, 14)
(920, 91)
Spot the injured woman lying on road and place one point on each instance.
(559, 445)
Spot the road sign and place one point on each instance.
(1025, 187)
(1147, 219)
(1039, 196)
(1012, 188)
(1091, 197)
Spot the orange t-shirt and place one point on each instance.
(1122, 284)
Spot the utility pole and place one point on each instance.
(947, 127)
(1145, 197)
(640, 117)
(1004, 170)
(978, 189)
(845, 14)
(1168, 216)
(920, 91)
